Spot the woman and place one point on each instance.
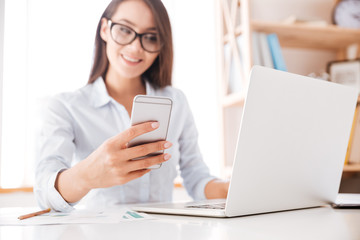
(85, 133)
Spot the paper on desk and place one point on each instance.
(76, 217)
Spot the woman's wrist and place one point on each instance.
(83, 184)
(71, 184)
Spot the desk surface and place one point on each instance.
(316, 223)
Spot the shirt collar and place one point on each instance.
(101, 97)
(149, 89)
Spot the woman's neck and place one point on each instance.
(123, 90)
(119, 87)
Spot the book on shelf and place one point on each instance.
(256, 49)
(354, 148)
(234, 73)
(266, 51)
(276, 53)
(266, 59)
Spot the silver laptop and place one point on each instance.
(291, 147)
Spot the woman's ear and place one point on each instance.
(104, 29)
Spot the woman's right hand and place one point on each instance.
(111, 164)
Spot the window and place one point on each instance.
(45, 52)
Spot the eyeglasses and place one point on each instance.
(125, 35)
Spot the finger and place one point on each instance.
(136, 174)
(145, 149)
(135, 165)
(124, 137)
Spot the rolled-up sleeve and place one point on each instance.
(56, 149)
(193, 169)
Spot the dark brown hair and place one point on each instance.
(159, 73)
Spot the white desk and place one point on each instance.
(316, 223)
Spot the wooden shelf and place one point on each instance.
(328, 37)
(351, 168)
(234, 20)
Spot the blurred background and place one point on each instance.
(47, 47)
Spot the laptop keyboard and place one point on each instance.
(208, 206)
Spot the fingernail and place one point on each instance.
(167, 144)
(155, 125)
(167, 156)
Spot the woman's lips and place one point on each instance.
(131, 60)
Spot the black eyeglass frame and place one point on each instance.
(112, 24)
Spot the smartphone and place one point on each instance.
(147, 109)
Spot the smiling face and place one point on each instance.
(129, 61)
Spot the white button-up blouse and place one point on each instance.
(77, 123)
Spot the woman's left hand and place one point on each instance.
(217, 188)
